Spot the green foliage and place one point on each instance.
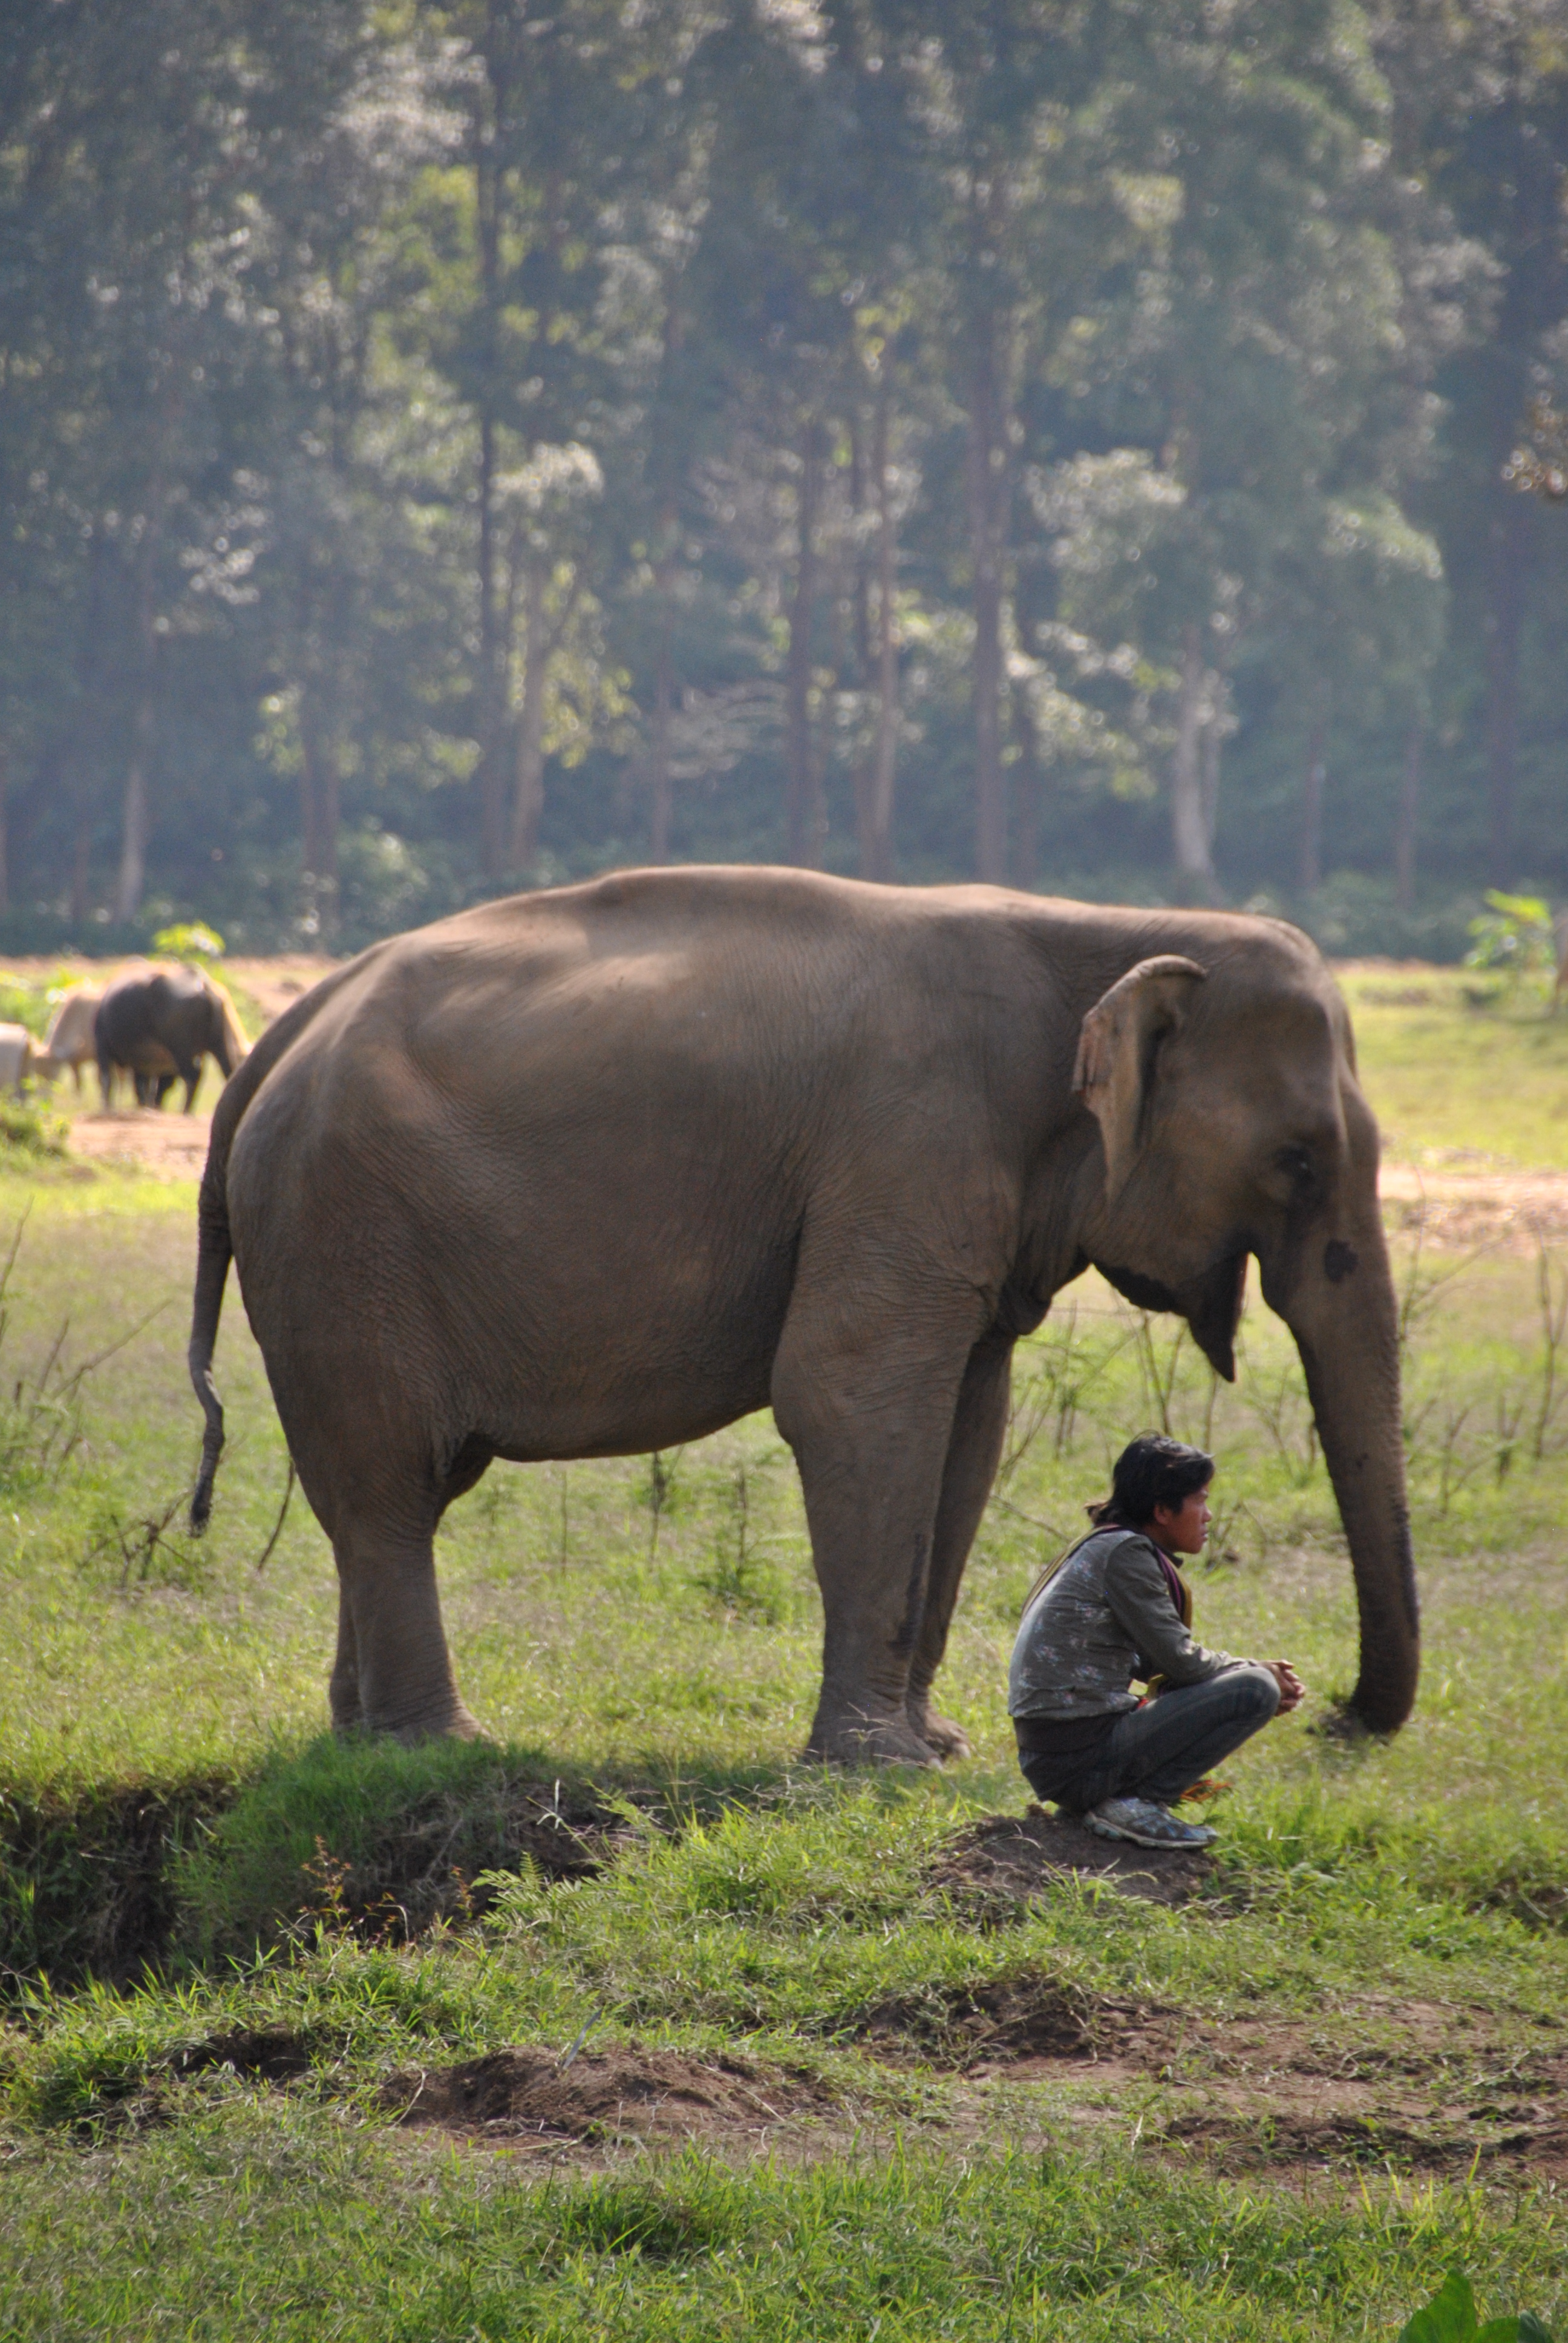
(390, 1838)
(462, 449)
(29, 1133)
(1451, 2318)
(190, 940)
(1513, 935)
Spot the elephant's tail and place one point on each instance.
(215, 1248)
(214, 1253)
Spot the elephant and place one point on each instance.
(596, 1170)
(160, 1023)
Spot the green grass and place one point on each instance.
(201, 2234)
(1445, 1074)
(644, 1647)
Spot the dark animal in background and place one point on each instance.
(158, 1024)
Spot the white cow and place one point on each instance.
(16, 1054)
(71, 1040)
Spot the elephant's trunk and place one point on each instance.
(1338, 1301)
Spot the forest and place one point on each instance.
(1108, 446)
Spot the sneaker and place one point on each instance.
(1145, 1824)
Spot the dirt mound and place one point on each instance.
(1007, 1860)
(958, 2025)
(269, 2054)
(535, 2096)
(94, 1877)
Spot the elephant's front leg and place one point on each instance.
(974, 1452)
(869, 1429)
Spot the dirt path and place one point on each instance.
(1461, 1209)
(171, 1146)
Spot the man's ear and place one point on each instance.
(1116, 1050)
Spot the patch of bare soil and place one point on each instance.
(963, 2026)
(1422, 2086)
(531, 2098)
(1462, 1210)
(1005, 1860)
(171, 1146)
(269, 2054)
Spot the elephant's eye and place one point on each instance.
(1299, 1169)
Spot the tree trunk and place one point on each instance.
(492, 776)
(1209, 779)
(1309, 852)
(1511, 540)
(135, 820)
(327, 858)
(1027, 793)
(81, 867)
(877, 834)
(1405, 823)
(860, 629)
(309, 786)
(1189, 833)
(800, 754)
(987, 485)
(529, 803)
(659, 757)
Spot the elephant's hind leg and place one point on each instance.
(393, 1672)
(347, 1715)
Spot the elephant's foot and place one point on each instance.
(939, 1733)
(453, 1723)
(347, 1715)
(851, 1737)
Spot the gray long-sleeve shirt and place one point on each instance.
(1105, 1617)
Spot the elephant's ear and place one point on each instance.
(1113, 1075)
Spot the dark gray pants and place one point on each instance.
(1162, 1749)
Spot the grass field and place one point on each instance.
(626, 2024)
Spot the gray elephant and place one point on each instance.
(598, 1170)
(159, 1023)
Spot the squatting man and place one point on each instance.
(1115, 1607)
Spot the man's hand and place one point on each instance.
(1292, 1691)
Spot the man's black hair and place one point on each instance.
(1153, 1470)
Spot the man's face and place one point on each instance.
(1184, 1528)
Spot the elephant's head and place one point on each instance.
(1233, 1124)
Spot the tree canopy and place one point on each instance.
(1105, 445)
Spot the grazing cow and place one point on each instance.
(158, 1024)
(69, 1041)
(16, 1053)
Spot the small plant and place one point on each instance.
(661, 1494)
(1512, 938)
(1451, 2318)
(31, 1130)
(190, 940)
(145, 1554)
(741, 1577)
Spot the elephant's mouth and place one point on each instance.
(1210, 1303)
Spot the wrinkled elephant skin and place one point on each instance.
(596, 1172)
